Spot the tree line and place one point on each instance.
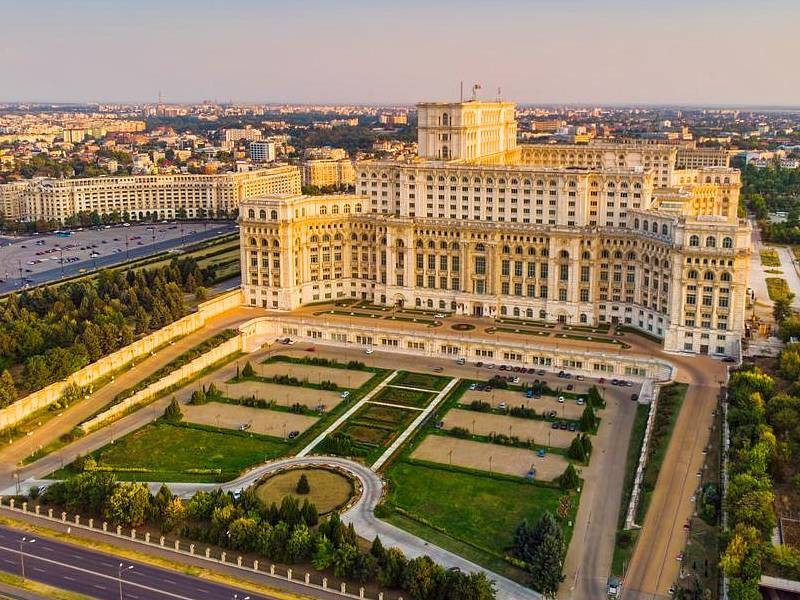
(288, 533)
(53, 331)
(764, 445)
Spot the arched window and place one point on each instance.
(694, 241)
(664, 230)
(335, 209)
(516, 311)
(347, 209)
(708, 276)
(636, 223)
(692, 274)
(358, 208)
(542, 314)
(586, 255)
(253, 242)
(711, 242)
(445, 152)
(727, 242)
(251, 214)
(262, 214)
(655, 227)
(725, 276)
(646, 225)
(564, 254)
(273, 215)
(584, 318)
(445, 119)
(480, 248)
(323, 210)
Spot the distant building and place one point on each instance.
(328, 173)
(262, 151)
(393, 120)
(248, 133)
(141, 197)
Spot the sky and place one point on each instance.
(700, 52)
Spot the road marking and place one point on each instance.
(96, 574)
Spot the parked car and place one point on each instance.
(293, 434)
(529, 393)
(728, 359)
(561, 399)
(563, 425)
(369, 351)
(554, 425)
(501, 406)
(570, 387)
(635, 397)
(540, 372)
(572, 427)
(461, 361)
(345, 394)
(439, 316)
(580, 401)
(473, 386)
(580, 377)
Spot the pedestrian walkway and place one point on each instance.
(401, 439)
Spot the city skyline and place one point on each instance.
(614, 53)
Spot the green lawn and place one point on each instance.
(777, 288)
(769, 258)
(392, 395)
(168, 451)
(421, 380)
(469, 507)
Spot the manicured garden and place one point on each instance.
(420, 380)
(368, 432)
(394, 395)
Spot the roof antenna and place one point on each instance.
(462, 90)
(475, 89)
(498, 94)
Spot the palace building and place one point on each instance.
(479, 225)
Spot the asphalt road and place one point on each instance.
(193, 233)
(96, 574)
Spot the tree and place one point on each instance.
(248, 370)
(569, 479)
(198, 397)
(378, 551)
(300, 544)
(547, 554)
(782, 307)
(128, 504)
(302, 485)
(173, 411)
(8, 390)
(424, 579)
(393, 570)
(588, 419)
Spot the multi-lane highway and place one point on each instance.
(100, 575)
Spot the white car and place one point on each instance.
(369, 351)
(561, 399)
(439, 316)
(580, 401)
(345, 394)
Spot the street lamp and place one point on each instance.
(23, 540)
(120, 570)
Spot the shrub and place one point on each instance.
(173, 411)
(461, 432)
(198, 397)
(248, 370)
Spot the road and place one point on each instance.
(654, 567)
(13, 257)
(96, 574)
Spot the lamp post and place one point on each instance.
(120, 570)
(23, 540)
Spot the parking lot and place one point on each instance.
(486, 457)
(569, 409)
(541, 432)
(33, 259)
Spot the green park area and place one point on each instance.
(469, 512)
(165, 451)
